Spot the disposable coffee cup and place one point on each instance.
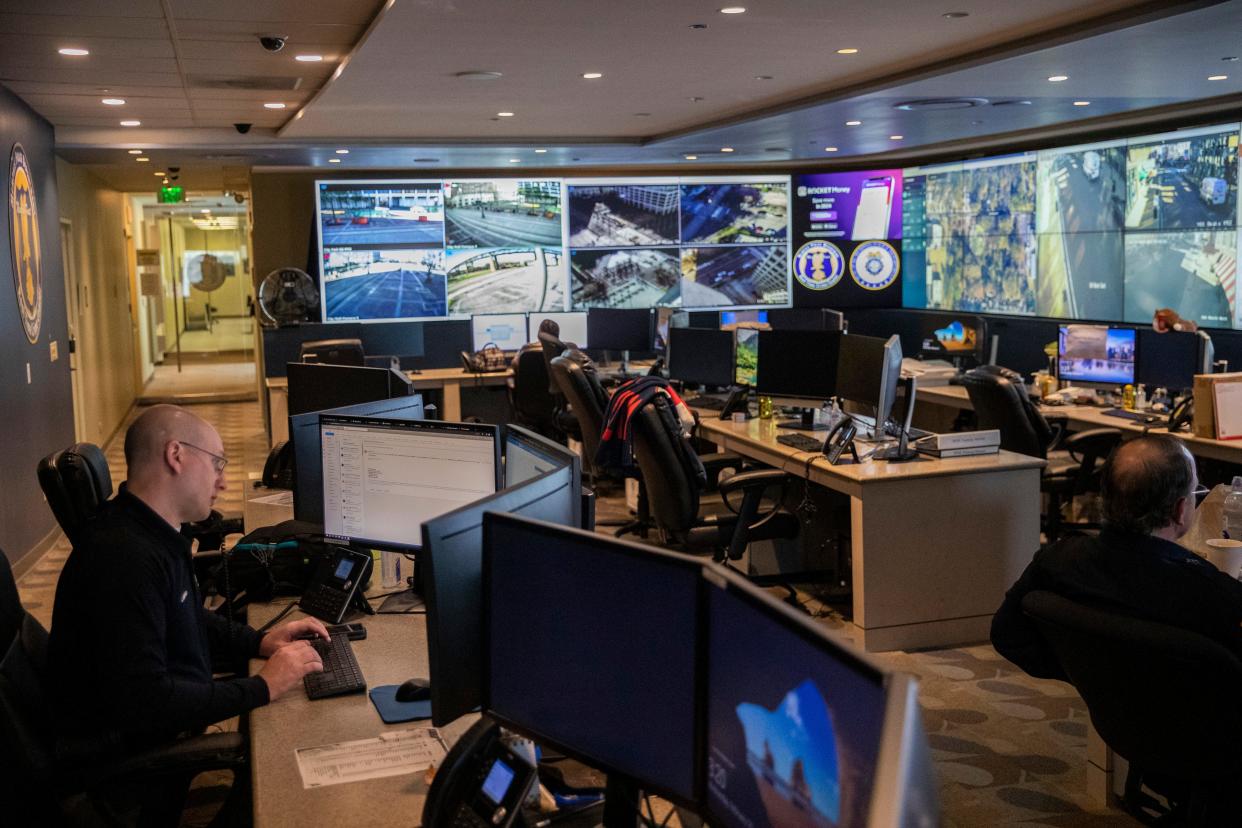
(1226, 555)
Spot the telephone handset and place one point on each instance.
(482, 781)
(839, 439)
(1182, 414)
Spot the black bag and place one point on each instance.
(487, 360)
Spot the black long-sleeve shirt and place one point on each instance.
(130, 656)
(1137, 575)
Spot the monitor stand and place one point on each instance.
(806, 422)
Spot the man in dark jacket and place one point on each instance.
(1134, 567)
(131, 649)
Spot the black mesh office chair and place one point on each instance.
(36, 787)
(1074, 462)
(553, 347)
(533, 405)
(1164, 698)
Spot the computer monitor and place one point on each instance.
(1096, 353)
(383, 478)
(699, 356)
(452, 557)
(619, 329)
(820, 735)
(731, 319)
(745, 357)
(308, 455)
(320, 387)
(867, 375)
(960, 339)
(507, 331)
(666, 319)
(798, 367)
(1169, 360)
(590, 646)
(528, 455)
(573, 326)
(806, 319)
(333, 352)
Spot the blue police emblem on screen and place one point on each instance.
(818, 265)
(874, 265)
(24, 243)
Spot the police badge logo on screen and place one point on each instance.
(874, 265)
(818, 265)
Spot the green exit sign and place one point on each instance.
(172, 195)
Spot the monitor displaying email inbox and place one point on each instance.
(383, 478)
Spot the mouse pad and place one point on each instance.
(393, 711)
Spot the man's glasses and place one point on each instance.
(1200, 492)
(217, 462)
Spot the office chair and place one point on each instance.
(1164, 698)
(552, 347)
(532, 403)
(333, 352)
(36, 787)
(999, 398)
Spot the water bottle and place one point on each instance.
(1231, 511)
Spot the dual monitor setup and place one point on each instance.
(1112, 355)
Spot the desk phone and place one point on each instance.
(481, 784)
(338, 582)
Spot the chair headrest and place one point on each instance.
(76, 482)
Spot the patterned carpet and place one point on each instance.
(1008, 749)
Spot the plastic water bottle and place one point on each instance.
(1231, 511)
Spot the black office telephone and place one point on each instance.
(279, 471)
(1182, 414)
(737, 403)
(337, 584)
(839, 439)
(482, 782)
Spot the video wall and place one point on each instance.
(1108, 231)
(401, 250)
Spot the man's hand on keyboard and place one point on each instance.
(290, 632)
(286, 667)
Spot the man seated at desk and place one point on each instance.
(1134, 566)
(130, 656)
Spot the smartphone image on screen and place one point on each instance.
(874, 205)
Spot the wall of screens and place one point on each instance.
(427, 249)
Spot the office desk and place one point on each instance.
(395, 649)
(934, 543)
(447, 380)
(1088, 416)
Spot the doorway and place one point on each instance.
(74, 306)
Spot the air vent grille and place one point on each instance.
(251, 82)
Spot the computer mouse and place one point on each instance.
(415, 689)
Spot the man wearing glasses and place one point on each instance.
(132, 647)
(1149, 489)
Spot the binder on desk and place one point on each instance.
(1204, 424)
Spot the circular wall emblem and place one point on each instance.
(24, 243)
(818, 265)
(874, 265)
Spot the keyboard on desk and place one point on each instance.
(1136, 416)
(800, 442)
(341, 673)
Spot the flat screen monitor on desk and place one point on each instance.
(867, 376)
(1169, 360)
(507, 331)
(383, 478)
(619, 329)
(806, 319)
(961, 340)
(798, 368)
(308, 456)
(573, 326)
(320, 387)
(701, 356)
(1096, 353)
(452, 555)
(528, 455)
(745, 357)
(590, 646)
(753, 318)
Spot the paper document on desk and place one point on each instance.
(390, 754)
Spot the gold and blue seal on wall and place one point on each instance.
(24, 243)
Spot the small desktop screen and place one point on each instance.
(506, 331)
(798, 364)
(528, 455)
(746, 357)
(620, 692)
(382, 478)
(1096, 353)
(319, 387)
(701, 356)
(954, 339)
(620, 329)
(731, 319)
(860, 370)
(797, 742)
(1169, 360)
(573, 326)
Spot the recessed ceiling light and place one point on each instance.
(113, 101)
(476, 75)
(642, 114)
(726, 149)
(695, 99)
(142, 159)
(131, 123)
(1082, 103)
(847, 51)
(1218, 77)
(955, 15)
(205, 211)
(592, 75)
(830, 149)
(895, 137)
(342, 151)
(504, 114)
(426, 160)
(309, 58)
(74, 52)
(274, 105)
(540, 151)
(515, 160)
(733, 10)
(135, 152)
(853, 123)
(1230, 58)
(160, 174)
(1058, 78)
(692, 158)
(334, 160)
(698, 26)
(763, 77)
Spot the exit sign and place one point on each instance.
(171, 195)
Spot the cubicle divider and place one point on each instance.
(431, 344)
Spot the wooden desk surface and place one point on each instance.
(394, 650)
(431, 377)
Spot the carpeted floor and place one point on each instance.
(1008, 749)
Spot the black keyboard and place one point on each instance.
(341, 673)
(800, 441)
(713, 403)
(1137, 416)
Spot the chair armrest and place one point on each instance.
(1097, 442)
(751, 479)
(195, 754)
(1059, 424)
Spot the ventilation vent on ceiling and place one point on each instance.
(253, 82)
(937, 104)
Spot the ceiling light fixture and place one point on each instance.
(895, 137)
(733, 10)
(1230, 58)
(642, 114)
(205, 211)
(1218, 77)
(692, 158)
(955, 15)
(309, 58)
(334, 160)
(830, 149)
(274, 105)
(847, 51)
(131, 123)
(504, 114)
(1058, 78)
(726, 149)
(74, 52)
(160, 174)
(135, 152)
(1082, 103)
(695, 99)
(763, 77)
(540, 151)
(342, 151)
(477, 75)
(142, 159)
(515, 160)
(592, 75)
(853, 123)
(113, 101)
(698, 26)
